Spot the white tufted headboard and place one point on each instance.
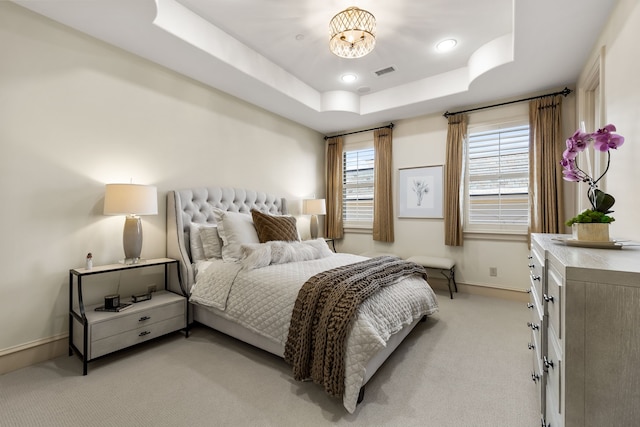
(196, 205)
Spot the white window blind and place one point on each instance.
(498, 177)
(357, 179)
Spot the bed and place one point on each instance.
(250, 289)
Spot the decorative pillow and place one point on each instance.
(278, 252)
(235, 229)
(275, 227)
(321, 246)
(211, 242)
(204, 242)
(195, 243)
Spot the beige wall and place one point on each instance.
(75, 114)
(421, 142)
(621, 79)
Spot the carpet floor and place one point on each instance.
(468, 365)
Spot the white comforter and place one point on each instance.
(262, 300)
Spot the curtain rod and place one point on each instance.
(566, 91)
(390, 126)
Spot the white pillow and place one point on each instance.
(195, 243)
(211, 242)
(235, 229)
(280, 252)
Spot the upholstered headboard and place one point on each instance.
(195, 205)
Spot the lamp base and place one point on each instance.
(132, 239)
(314, 227)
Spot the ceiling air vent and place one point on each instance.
(384, 71)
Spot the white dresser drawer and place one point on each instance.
(553, 368)
(537, 376)
(553, 300)
(536, 326)
(135, 336)
(129, 320)
(536, 271)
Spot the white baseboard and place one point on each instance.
(24, 355)
(484, 290)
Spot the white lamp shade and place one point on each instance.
(314, 207)
(130, 199)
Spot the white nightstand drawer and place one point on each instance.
(155, 310)
(136, 336)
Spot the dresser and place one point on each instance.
(585, 333)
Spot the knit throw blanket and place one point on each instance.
(325, 306)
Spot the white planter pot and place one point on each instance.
(591, 232)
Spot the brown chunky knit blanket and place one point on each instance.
(325, 306)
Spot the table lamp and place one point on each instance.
(131, 200)
(314, 207)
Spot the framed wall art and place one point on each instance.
(421, 192)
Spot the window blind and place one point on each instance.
(498, 176)
(358, 176)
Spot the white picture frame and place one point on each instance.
(421, 193)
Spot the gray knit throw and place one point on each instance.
(325, 306)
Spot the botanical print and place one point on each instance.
(420, 192)
(420, 187)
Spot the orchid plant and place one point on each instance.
(603, 140)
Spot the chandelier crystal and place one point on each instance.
(353, 33)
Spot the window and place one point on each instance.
(498, 179)
(357, 192)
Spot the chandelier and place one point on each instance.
(353, 33)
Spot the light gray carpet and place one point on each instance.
(468, 365)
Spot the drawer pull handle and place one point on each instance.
(143, 318)
(531, 265)
(535, 377)
(531, 346)
(547, 298)
(143, 333)
(535, 277)
(547, 362)
(533, 326)
(529, 305)
(530, 257)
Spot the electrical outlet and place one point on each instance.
(152, 288)
(493, 271)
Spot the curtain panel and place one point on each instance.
(546, 145)
(456, 133)
(383, 186)
(333, 220)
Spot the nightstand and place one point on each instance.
(93, 334)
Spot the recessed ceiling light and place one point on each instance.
(349, 78)
(446, 45)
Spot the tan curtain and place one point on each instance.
(383, 190)
(333, 220)
(453, 176)
(545, 173)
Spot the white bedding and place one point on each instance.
(262, 300)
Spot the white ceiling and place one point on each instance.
(274, 53)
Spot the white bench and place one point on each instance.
(445, 265)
